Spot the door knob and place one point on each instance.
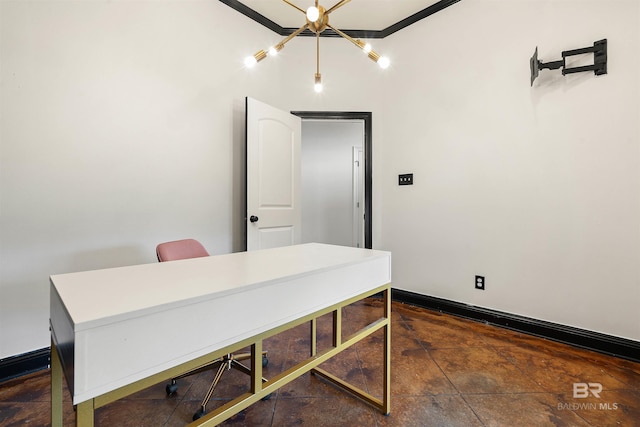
(253, 218)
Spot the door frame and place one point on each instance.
(366, 117)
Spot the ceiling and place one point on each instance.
(358, 18)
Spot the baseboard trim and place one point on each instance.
(602, 343)
(22, 364)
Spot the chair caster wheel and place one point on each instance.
(171, 388)
(198, 414)
(265, 361)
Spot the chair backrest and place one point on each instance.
(180, 249)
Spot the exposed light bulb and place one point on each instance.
(367, 48)
(313, 13)
(250, 61)
(273, 51)
(318, 83)
(384, 62)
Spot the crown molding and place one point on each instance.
(364, 34)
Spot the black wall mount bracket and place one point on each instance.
(599, 66)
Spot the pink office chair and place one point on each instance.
(180, 249)
(190, 248)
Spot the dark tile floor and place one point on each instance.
(446, 371)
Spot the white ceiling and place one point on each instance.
(355, 15)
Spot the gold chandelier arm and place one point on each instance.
(337, 5)
(261, 54)
(294, 6)
(295, 33)
(318, 77)
(346, 36)
(373, 55)
(280, 45)
(318, 53)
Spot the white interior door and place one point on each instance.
(273, 139)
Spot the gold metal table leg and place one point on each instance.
(337, 327)
(56, 387)
(84, 414)
(256, 366)
(386, 379)
(314, 336)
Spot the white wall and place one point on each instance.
(327, 176)
(121, 126)
(538, 189)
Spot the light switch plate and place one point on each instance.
(405, 179)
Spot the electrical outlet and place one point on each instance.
(480, 282)
(405, 179)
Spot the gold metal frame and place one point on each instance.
(258, 388)
(317, 27)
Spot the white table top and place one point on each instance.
(94, 298)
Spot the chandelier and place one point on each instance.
(317, 21)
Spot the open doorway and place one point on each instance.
(339, 207)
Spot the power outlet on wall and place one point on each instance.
(480, 282)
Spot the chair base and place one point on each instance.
(223, 364)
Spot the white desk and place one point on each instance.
(111, 328)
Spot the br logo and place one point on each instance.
(582, 390)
